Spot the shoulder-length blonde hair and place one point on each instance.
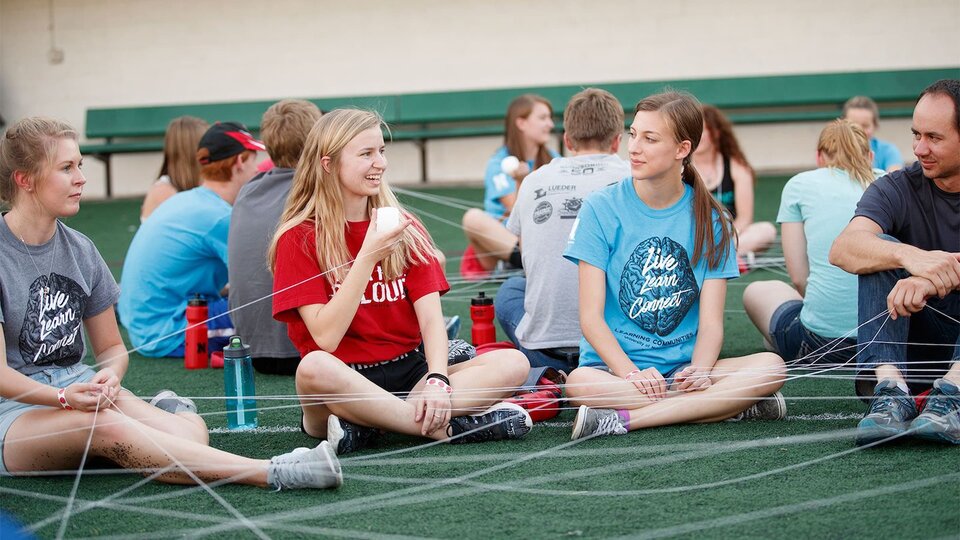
(844, 145)
(316, 197)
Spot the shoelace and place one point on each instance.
(888, 400)
(942, 404)
(609, 424)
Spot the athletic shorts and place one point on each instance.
(793, 341)
(397, 376)
(56, 377)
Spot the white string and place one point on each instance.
(76, 482)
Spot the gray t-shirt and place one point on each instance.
(547, 206)
(256, 213)
(42, 311)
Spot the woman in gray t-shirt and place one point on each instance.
(54, 409)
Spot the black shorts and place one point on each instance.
(397, 376)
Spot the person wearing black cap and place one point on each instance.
(182, 249)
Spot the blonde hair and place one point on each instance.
(284, 129)
(316, 196)
(845, 146)
(180, 152)
(29, 147)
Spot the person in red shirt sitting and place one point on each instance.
(359, 289)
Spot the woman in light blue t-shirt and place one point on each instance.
(815, 320)
(654, 254)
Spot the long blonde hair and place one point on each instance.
(683, 114)
(316, 196)
(30, 147)
(844, 145)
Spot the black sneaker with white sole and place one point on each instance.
(346, 437)
(499, 422)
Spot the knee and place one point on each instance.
(576, 380)
(514, 367)
(197, 431)
(767, 231)
(473, 218)
(773, 368)
(320, 372)
(113, 427)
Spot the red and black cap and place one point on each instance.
(226, 139)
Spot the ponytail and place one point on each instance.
(705, 207)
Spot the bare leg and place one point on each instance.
(737, 384)
(756, 237)
(186, 425)
(51, 439)
(485, 380)
(954, 374)
(762, 298)
(490, 238)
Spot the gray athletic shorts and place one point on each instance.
(56, 377)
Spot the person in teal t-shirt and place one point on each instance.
(654, 255)
(181, 249)
(528, 124)
(815, 320)
(864, 112)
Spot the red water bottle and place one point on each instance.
(481, 313)
(195, 348)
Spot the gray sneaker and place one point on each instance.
(168, 400)
(305, 468)
(596, 422)
(772, 407)
(940, 419)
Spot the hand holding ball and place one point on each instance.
(509, 165)
(388, 218)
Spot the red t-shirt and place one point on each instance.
(385, 325)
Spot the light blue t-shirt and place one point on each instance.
(885, 154)
(497, 184)
(824, 201)
(181, 249)
(652, 291)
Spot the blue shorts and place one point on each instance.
(56, 377)
(794, 342)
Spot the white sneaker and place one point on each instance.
(305, 468)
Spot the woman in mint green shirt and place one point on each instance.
(814, 320)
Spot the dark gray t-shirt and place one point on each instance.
(42, 311)
(547, 206)
(911, 208)
(256, 213)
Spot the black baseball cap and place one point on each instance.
(226, 139)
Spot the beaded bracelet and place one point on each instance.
(435, 381)
(62, 398)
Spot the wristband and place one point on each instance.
(440, 376)
(631, 374)
(435, 381)
(62, 398)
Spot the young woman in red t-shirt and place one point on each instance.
(362, 305)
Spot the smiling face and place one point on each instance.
(537, 125)
(362, 164)
(654, 152)
(936, 141)
(61, 184)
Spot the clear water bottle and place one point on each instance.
(238, 385)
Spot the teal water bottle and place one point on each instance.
(238, 385)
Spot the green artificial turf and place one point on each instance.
(797, 478)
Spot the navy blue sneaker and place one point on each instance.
(940, 419)
(346, 437)
(891, 411)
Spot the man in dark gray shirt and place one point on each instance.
(904, 242)
(255, 216)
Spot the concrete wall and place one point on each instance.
(141, 52)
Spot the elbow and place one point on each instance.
(836, 256)
(326, 343)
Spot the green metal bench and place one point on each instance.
(438, 115)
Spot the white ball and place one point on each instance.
(509, 165)
(388, 218)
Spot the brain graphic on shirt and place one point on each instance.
(657, 286)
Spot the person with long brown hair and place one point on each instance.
(655, 252)
(730, 179)
(54, 408)
(180, 170)
(360, 293)
(814, 320)
(527, 128)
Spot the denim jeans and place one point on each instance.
(922, 346)
(508, 305)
